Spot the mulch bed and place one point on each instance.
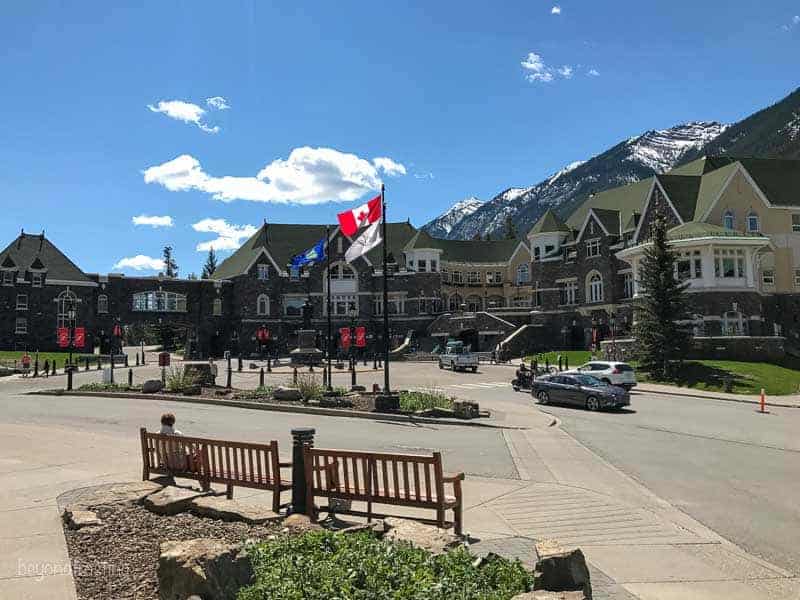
(119, 559)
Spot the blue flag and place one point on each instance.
(312, 256)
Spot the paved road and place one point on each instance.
(734, 470)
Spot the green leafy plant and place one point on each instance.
(108, 387)
(320, 565)
(424, 400)
(260, 393)
(179, 380)
(310, 387)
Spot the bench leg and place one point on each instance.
(457, 519)
(440, 518)
(229, 491)
(276, 500)
(145, 473)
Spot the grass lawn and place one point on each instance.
(7, 357)
(747, 377)
(576, 357)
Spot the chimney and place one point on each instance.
(41, 240)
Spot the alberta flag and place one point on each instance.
(312, 256)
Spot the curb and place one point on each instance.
(698, 395)
(307, 410)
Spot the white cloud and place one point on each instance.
(218, 103)
(140, 262)
(566, 72)
(796, 20)
(388, 166)
(593, 73)
(536, 69)
(183, 111)
(153, 221)
(427, 175)
(307, 176)
(229, 237)
(556, 10)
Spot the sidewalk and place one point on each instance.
(790, 401)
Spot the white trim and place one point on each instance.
(513, 254)
(671, 205)
(68, 282)
(591, 214)
(262, 250)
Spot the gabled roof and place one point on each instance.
(632, 222)
(778, 179)
(609, 219)
(626, 199)
(702, 165)
(549, 222)
(710, 188)
(27, 249)
(682, 193)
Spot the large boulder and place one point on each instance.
(286, 393)
(299, 523)
(171, 500)
(210, 569)
(76, 518)
(219, 507)
(152, 386)
(109, 493)
(430, 538)
(561, 569)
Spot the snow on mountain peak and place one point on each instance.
(444, 223)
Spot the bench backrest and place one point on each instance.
(219, 461)
(375, 476)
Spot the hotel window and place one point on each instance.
(796, 223)
(102, 304)
(523, 274)
(473, 277)
(797, 278)
(397, 305)
(592, 248)
(342, 271)
(627, 285)
(217, 308)
(293, 307)
(433, 266)
(37, 279)
(294, 273)
(21, 326)
(422, 266)
(344, 306)
(595, 288)
(445, 276)
(262, 305)
(548, 250)
(457, 277)
(728, 222)
(22, 301)
(536, 297)
(728, 263)
(521, 301)
(159, 302)
(768, 277)
(753, 223)
(688, 265)
(8, 277)
(537, 254)
(568, 293)
(263, 272)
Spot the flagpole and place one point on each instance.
(328, 301)
(385, 298)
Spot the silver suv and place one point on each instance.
(614, 373)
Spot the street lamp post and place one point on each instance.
(71, 316)
(612, 320)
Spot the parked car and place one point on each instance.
(614, 373)
(458, 358)
(578, 389)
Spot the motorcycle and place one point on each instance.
(523, 379)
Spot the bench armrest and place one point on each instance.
(453, 478)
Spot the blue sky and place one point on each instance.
(316, 91)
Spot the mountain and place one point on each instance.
(442, 225)
(631, 160)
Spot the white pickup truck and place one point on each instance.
(458, 358)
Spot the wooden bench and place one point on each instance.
(256, 466)
(380, 478)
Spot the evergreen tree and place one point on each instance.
(211, 264)
(662, 301)
(509, 232)
(487, 237)
(170, 266)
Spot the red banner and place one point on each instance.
(79, 337)
(361, 336)
(63, 337)
(262, 335)
(344, 335)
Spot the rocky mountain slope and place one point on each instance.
(442, 225)
(773, 132)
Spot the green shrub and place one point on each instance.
(108, 387)
(321, 565)
(178, 379)
(310, 387)
(260, 393)
(414, 401)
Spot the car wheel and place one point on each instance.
(516, 388)
(544, 398)
(592, 403)
(441, 366)
(474, 369)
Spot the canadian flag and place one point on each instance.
(352, 220)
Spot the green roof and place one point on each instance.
(468, 251)
(609, 219)
(626, 200)
(702, 165)
(682, 192)
(38, 252)
(778, 179)
(549, 222)
(696, 229)
(632, 222)
(710, 187)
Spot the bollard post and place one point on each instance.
(229, 382)
(353, 378)
(164, 375)
(54, 367)
(269, 364)
(566, 363)
(310, 368)
(112, 367)
(261, 378)
(364, 356)
(137, 359)
(324, 376)
(239, 364)
(375, 362)
(294, 376)
(126, 361)
(99, 365)
(560, 364)
(380, 362)
(36, 367)
(86, 365)
(69, 378)
(301, 437)
(130, 377)
(143, 361)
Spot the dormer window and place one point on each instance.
(728, 222)
(263, 272)
(753, 223)
(37, 279)
(8, 277)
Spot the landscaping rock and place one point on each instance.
(111, 493)
(439, 413)
(420, 535)
(286, 393)
(561, 568)
(378, 528)
(78, 519)
(171, 500)
(152, 386)
(219, 507)
(298, 523)
(206, 568)
(193, 390)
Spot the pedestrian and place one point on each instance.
(493, 358)
(168, 425)
(47, 368)
(178, 457)
(26, 364)
(212, 367)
